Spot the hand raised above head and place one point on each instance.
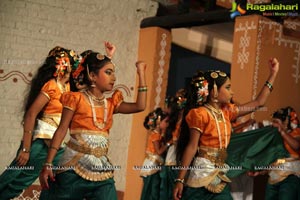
(109, 49)
(141, 66)
(274, 65)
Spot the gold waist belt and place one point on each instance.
(216, 156)
(97, 152)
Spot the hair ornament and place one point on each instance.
(214, 75)
(77, 67)
(181, 102)
(217, 73)
(100, 56)
(152, 120)
(201, 85)
(62, 65)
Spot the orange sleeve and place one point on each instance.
(196, 119)
(49, 89)
(155, 137)
(70, 100)
(117, 99)
(231, 110)
(295, 133)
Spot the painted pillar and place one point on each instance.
(256, 40)
(154, 49)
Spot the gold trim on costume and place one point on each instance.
(216, 156)
(198, 129)
(69, 108)
(92, 176)
(97, 152)
(44, 93)
(90, 132)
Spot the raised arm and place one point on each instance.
(141, 99)
(264, 93)
(109, 49)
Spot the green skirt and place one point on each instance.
(288, 189)
(203, 194)
(151, 187)
(167, 176)
(69, 185)
(15, 179)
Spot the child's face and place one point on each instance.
(106, 78)
(164, 123)
(225, 92)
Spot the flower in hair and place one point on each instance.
(78, 68)
(152, 120)
(181, 102)
(202, 91)
(62, 65)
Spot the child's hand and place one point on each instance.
(274, 65)
(110, 49)
(278, 124)
(22, 158)
(140, 66)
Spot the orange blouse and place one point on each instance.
(295, 134)
(202, 119)
(153, 137)
(53, 93)
(83, 116)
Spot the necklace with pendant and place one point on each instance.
(222, 153)
(61, 87)
(96, 123)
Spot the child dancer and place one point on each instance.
(89, 116)
(41, 118)
(157, 122)
(175, 105)
(207, 119)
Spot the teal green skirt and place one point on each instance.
(167, 176)
(69, 185)
(288, 189)
(151, 187)
(13, 181)
(203, 194)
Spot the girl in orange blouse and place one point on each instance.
(285, 184)
(157, 122)
(41, 118)
(85, 171)
(207, 119)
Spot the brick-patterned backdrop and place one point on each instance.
(30, 28)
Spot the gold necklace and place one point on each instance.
(213, 109)
(61, 87)
(100, 100)
(96, 123)
(214, 112)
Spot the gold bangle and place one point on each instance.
(25, 150)
(142, 89)
(29, 132)
(178, 180)
(49, 164)
(269, 85)
(55, 148)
